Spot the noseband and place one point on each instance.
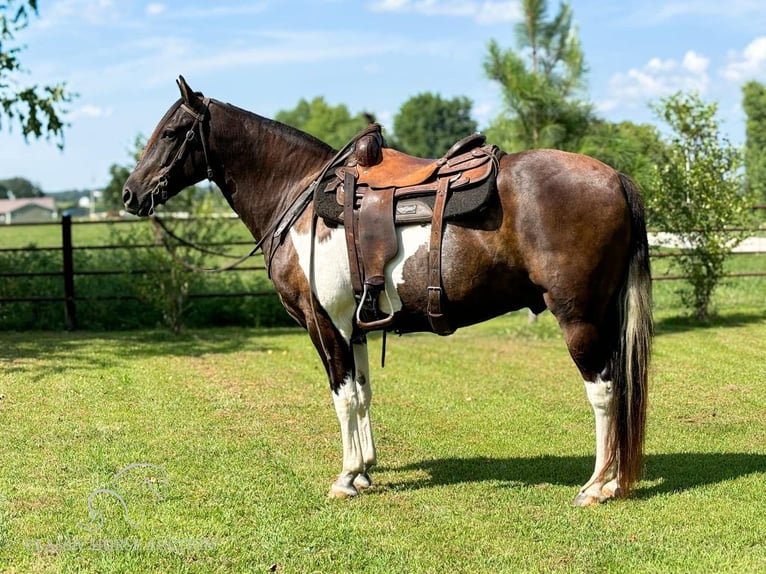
(160, 193)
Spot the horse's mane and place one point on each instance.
(289, 134)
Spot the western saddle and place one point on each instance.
(377, 189)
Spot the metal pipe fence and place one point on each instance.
(68, 272)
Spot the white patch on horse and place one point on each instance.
(332, 280)
(411, 238)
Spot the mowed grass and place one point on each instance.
(484, 438)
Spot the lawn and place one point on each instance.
(484, 438)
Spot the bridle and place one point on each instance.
(159, 194)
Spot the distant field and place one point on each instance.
(89, 234)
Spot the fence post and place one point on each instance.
(66, 250)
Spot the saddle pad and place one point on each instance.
(414, 208)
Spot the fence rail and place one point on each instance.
(68, 271)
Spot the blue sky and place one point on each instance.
(122, 57)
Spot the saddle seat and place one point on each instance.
(397, 169)
(392, 168)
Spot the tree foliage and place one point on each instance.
(111, 196)
(427, 125)
(17, 187)
(332, 124)
(631, 148)
(754, 104)
(37, 110)
(697, 194)
(540, 82)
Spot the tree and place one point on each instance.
(36, 109)
(635, 149)
(332, 124)
(428, 125)
(540, 82)
(19, 187)
(111, 197)
(754, 104)
(697, 195)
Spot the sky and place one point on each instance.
(122, 58)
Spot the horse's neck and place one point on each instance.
(264, 166)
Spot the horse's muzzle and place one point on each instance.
(127, 197)
(131, 202)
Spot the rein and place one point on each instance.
(161, 227)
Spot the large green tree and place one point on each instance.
(754, 103)
(541, 82)
(697, 195)
(37, 110)
(427, 124)
(19, 187)
(332, 124)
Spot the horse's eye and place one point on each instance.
(168, 134)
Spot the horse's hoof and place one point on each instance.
(362, 481)
(585, 499)
(611, 490)
(342, 491)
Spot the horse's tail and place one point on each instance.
(630, 360)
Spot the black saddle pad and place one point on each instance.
(463, 203)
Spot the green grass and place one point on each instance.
(484, 438)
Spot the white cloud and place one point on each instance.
(749, 64)
(659, 78)
(695, 63)
(92, 12)
(90, 111)
(155, 9)
(658, 11)
(221, 11)
(484, 12)
(605, 106)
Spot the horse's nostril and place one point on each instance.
(127, 196)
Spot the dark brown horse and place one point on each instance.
(566, 233)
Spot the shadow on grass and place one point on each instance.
(681, 324)
(96, 350)
(673, 472)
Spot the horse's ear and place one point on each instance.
(187, 93)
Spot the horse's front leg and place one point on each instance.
(352, 400)
(346, 400)
(364, 423)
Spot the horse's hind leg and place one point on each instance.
(603, 484)
(586, 345)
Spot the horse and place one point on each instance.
(565, 233)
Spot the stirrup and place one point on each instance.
(368, 303)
